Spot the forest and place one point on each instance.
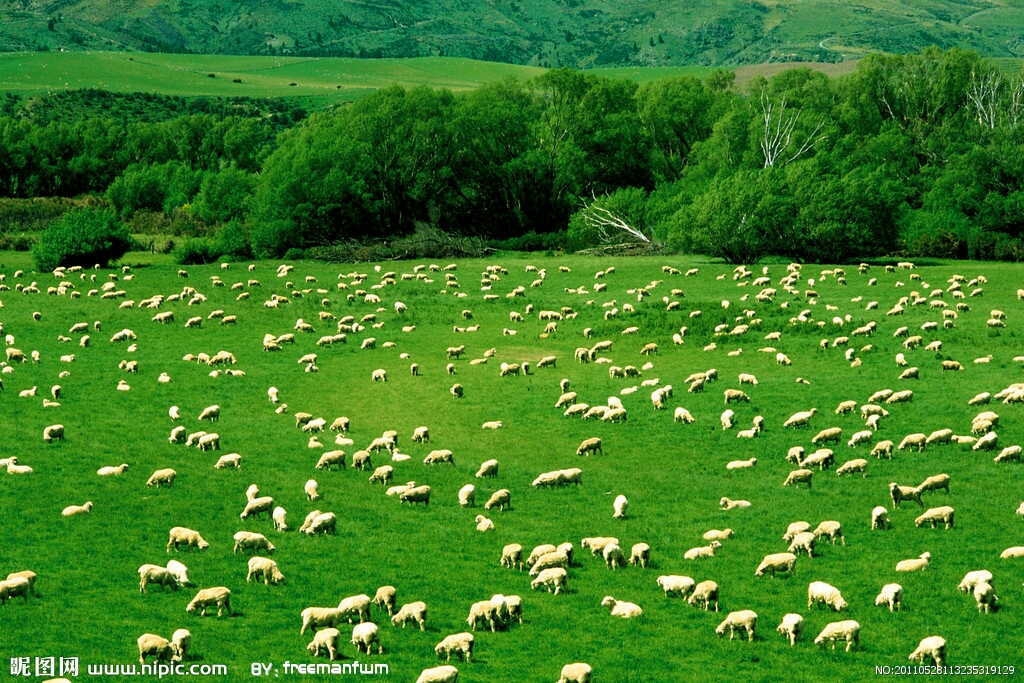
(918, 155)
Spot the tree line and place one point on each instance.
(919, 154)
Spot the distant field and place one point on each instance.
(322, 81)
(89, 604)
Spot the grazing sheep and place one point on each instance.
(53, 432)
(416, 494)
(882, 448)
(676, 585)
(151, 645)
(219, 596)
(613, 556)
(918, 564)
(439, 674)
(791, 627)
(935, 516)
(257, 506)
(833, 530)
(488, 468)
(704, 593)
(280, 519)
(891, 595)
(502, 499)
(314, 618)
(415, 612)
(900, 493)
(385, 599)
(460, 644)
(155, 574)
(188, 537)
(985, 597)
(819, 592)
(801, 476)
(364, 636)
(742, 620)
(803, 541)
(620, 505)
(326, 639)
(321, 523)
(487, 612)
(211, 413)
(833, 434)
(640, 554)
(778, 562)
(933, 648)
(512, 556)
(553, 579)
(848, 630)
(265, 568)
(880, 518)
(164, 477)
(181, 641)
(252, 541)
(230, 460)
(934, 483)
(732, 395)
(439, 456)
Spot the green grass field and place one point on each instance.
(673, 474)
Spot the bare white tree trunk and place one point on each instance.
(607, 224)
(1017, 103)
(984, 95)
(778, 132)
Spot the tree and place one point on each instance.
(82, 238)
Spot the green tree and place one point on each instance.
(82, 238)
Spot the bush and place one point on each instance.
(195, 251)
(294, 254)
(532, 241)
(82, 238)
(19, 242)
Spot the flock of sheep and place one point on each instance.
(833, 434)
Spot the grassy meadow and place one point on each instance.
(673, 474)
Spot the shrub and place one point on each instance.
(82, 238)
(195, 251)
(294, 254)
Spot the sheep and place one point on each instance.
(891, 596)
(252, 541)
(220, 596)
(918, 564)
(331, 458)
(596, 544)
(676, 585)
(933, 648)
(704, 593)
(460, 644)
(879, 518)
(703, 551)
(777, 562)
(73, 510)
(727, 418)
(791, 626)
(683, 415)
(487, 612)
(209, 442)
(827, 435)
(193, 439)
(155, 574)
(555, 558)
(181, 641)
(512, 556)
(619, 608)
(162, 477)
(211, 413)
(742, 620)
(439, 674)
(985, 597)
(735, 395)
(846, 407)
(417, 494)
(489, 468)
(325, 639)
(280, 519)
(882, 448)
(52, 433)
(438, 456)
(323, 523)
(265, 568)
(800, 419)
(729, 504)
(314, 618)
(257, 506)
(154, 646)
(935, 516)
(115, 471)
(934, 483)
(819, 592)
(188, 537)
(613, 556)
(414, 611)
(620, 505)
(364, 636)
(502, 499)
(832, 529)
(900, 493)
(800, 476)
(640, 554)
(848, 630)
(553, 579)
(591, 445)
(987, 442)
(803, 541)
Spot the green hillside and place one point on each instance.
(578, 33)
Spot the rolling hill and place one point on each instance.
(545, 33)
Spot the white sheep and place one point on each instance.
(219, 596)
(619, 608)
(613, 556)
(803, 541)
(778, 562)
(181, 641)
(439, 674)
(552, 579)
(935, 516)
(460, 644)
(676, 585)
(73, 510)
(985, 597)
(364, 636)
(325, 639)
(252, 541)
(258, 506)
(933, 648)
(704, 593)
(791, 627)
(620, 505)
(322, 523)
(164, 477)
(729, 504)
(415, 612)
(819, 592)
(848, 630)
(742, 620)
(702, 551)
(151, 645)
(265, 568)
(918, 564)
(578, 672)
(112, 471)
(879, 518)
(891, 595)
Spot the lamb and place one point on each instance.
(934, 483)
(415, 612)
(935, 516)
(933, 648)
(704, 593)
(220, 596)
(151, 645)
(322, 523)
(791, 627)
(880, 518)
(801, 476)
(675, 585)
(252, 541)
(742, 620)
(266, 568)
(188, 537)
(729, 504)
(803, 541)
(439, 674)
(848, 630)
(314, 618)
(918, 564)
(116, 471)
(819, 592)
(162, 477)
(155, 574)
(891, 595)
(831, 529)
(900, 493)
(460, 644)
(619, 608)
(985, 597)
(613, 556)
(257, 506)
(778, 562)
(702, 551)
(620, 505)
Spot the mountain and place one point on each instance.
(577, 33)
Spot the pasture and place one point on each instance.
(672, 473)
